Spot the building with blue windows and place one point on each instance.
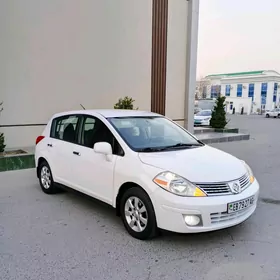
(254, 91)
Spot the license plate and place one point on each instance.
(240, 205)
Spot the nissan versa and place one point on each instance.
(154, 172)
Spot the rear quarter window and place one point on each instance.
(65, 128)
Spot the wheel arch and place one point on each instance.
(40, 160)
(124, 187)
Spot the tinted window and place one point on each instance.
(94, 131)
(65, 128)
(88, 132)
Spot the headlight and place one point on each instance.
(177, 185)
(207, 119)
(250, 172)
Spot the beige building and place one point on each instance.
(56, 55)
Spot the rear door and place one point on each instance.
(63, 140)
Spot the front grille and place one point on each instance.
(225, 217)
(244, 181)
(215, 189)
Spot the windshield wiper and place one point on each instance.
(178, 145)
(183, 145)
(150, 150)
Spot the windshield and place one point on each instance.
(148, 134)
(204, 113)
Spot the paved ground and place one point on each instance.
(69, 236)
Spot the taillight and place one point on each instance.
(39, 139)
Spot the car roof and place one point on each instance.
(110, 113)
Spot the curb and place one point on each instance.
(17, 162)
(225, 139)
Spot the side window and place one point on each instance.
(94, 131)
(64, 128)
(88, 132)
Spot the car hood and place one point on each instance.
(200, 165)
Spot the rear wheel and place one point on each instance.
(279, 116)
(46, 179)
(267, 115)
(138, 214)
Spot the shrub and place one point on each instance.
(218, 119)
(2, 143)
(2, 138)
(125, 103)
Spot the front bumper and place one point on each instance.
(202, 122)
(170, 209)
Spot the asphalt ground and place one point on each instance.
(71, 236)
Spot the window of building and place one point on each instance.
(228, 90)
(65, 128)
(275, 92)
(264, 93)
(251, 91)
(239, 90)
(204, 92)
(215, 91)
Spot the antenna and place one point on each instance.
(82, 106)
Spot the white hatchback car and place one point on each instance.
(154, 172)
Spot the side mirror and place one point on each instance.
(103, 148)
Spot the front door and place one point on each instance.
(95, 173)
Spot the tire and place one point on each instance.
(267, 115)
(279, 116)
(46, 180)
(130, 214)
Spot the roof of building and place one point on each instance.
(238, 74)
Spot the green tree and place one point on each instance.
(2, 138)
(125, 103)
(218, 119)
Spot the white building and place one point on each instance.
(254, 91)
(56, 55)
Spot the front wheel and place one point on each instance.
(267, 115)
(138, 214)
(279, 116)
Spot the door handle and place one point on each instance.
(76, 153)
(50, 145)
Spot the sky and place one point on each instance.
(238, 35)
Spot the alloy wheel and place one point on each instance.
(46, 177)
(136, 214)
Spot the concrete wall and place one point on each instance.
(57, 54)
(176, 59)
